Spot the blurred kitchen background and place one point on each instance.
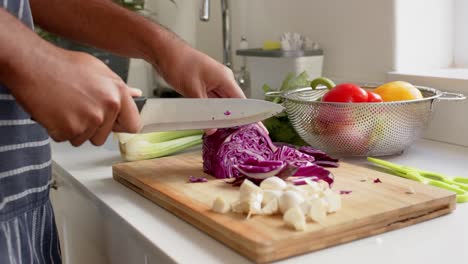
(420, 41)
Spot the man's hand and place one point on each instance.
(108, 26)
(105, 25)
(194, 74)
(74, 96)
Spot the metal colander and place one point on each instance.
(360, 129)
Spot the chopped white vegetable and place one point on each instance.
(312, 187)
(220, 205)
(295, 218)
(327, 192)
(271, 207)
(334, 202)
(255, 203)
(269, 195)
(247, 188)
(317, 210)
(273, 183)
(297, 203)
(290, 199)
(250, 197)
(297, 189)
(323, 185)
(238, 207)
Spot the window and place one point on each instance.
(461, 33)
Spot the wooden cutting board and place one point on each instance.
(370, 209)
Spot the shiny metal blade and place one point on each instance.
(182, 114)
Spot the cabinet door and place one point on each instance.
(79, 223)
(91, 233)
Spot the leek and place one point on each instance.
(158, 144)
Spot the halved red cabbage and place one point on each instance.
(314, 170)
(229, 147)
(247, 152)
(321, 158)
(260, 169)
(293, 156)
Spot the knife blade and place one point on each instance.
(166, 114)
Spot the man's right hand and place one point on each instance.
(74, 96)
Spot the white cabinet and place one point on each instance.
(91, 233)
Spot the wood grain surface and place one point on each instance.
(370, 209)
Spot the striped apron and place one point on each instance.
(27, 227)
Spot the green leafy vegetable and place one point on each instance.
(280, 128)
(285, 84)
(302, 80)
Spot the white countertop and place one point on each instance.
(436, 241)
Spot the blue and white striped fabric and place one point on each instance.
(27, 227)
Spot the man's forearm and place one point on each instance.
(19, 45)
(103, 24)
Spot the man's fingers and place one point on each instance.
(57, 136)
(210, 131)
(104, 130)
(79, 140)
(134, 92)
(128, 119)
(231, 88)
(118, 128)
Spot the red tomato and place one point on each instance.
(346, 93)
(373, 97)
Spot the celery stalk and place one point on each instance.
(159, 144)
(156, 137)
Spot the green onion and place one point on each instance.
(158, 144)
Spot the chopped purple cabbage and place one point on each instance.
(248, 152)
(193, 179)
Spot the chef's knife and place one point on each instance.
(168, 114)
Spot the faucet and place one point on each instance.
(226, 24)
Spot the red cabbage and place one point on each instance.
(293, 156)
(261, 169)
(193, 179)
(248, 152)
(321, 158)
(326, 163)
(315, 171)
(229, 147)
(303, 180)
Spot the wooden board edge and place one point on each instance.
(264, 254)
(207, 225)
(445, 206)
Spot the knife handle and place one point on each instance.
(140, 101)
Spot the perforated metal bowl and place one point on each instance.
(360, 129)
